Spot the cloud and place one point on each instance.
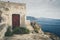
(41, 8)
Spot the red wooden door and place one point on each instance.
(15, 20)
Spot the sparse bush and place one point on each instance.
(36, 29)
(20, 30)
(8, 32)
(35, 26)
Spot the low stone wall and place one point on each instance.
(3, 30)
(28, 25)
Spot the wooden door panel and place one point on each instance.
(15, 20)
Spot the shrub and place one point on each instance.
(20, 30)
(8, 32)
(36, 31)
(35, 26)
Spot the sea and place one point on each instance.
(55, 29)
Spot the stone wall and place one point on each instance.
(9, 8)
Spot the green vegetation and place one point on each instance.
(8, 32)
(35, 26)
(36, 29)
(20, 30)
(17, 30)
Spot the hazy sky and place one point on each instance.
(41, 8)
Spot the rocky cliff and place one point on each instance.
(37, 34)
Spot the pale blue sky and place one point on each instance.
(41, 8)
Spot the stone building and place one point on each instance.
(13, 13)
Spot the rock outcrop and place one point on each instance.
(37, 27)
(52, 36)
